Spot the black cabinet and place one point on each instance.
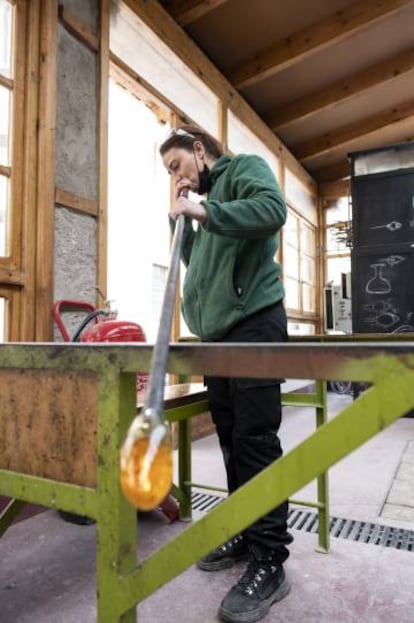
(382, 258)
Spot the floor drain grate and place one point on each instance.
(204, 502)
(374, 534)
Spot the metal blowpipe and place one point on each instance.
(146, 455)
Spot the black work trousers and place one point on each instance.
(247, 415)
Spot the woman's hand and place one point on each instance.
(183, 205)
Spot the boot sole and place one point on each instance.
(255, 615)
(219, 565)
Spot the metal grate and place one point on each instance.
(371, 533)
(375, 534)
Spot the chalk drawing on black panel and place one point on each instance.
(382, 314)
(378, 284)
(392, 226)
(392, 260)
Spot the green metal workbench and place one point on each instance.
(107, 408)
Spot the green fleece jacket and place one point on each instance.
(231, 268)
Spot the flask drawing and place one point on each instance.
(378, 284)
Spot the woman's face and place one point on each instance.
(183, 166)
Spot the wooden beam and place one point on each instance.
(31, 168)
(342, 90)
(74, 202)
(6, 171)
(6, 82)
(186, 11)
(334, 190)
(78, 28)
(126, 77)
(306, 42)
(10, 275)
(46, 171)
(334, 172)
(334, 140)
(103, 122)
(163, 25)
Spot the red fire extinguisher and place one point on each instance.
(99, 325)
(102, 325)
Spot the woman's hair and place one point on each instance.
(185, 136)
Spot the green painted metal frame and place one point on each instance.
(182, 415)
(121, 582)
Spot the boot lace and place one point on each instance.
(230, 543)
(253, 576)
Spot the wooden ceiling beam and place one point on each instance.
(335, 172)
(334, 140)
(302, 44)
(334, 190)
(163, 25)
(342, 90)
(186, 11)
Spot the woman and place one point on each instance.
(233, 293)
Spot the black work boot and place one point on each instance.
(262, 584)
(226, 555)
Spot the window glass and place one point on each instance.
(138, 205)
(308, 298)
(6, 31)
(335, 267)
(4, 188)
(2, 319)
(290, 261)
(290, 229)
(301, 328)
(142, 50)
(241, 140)
(300, 197)
(299, 264)
(292, 292)
(5, 98)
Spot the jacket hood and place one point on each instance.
(218, 168)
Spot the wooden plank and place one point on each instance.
(46, 172)
(187, 11)
(162, 24)
(6, 171)
(30, 181)
(103, 114)
(126, 77)
(302, 44)
(342, 91)
(10, 275)
(48, 424)
(334, 172)
(6, 82)
(75, 202)
(334, 190)
(222, 124)
(78, 28)
(11, 269)
(329, 142)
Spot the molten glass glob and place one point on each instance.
(146, 464)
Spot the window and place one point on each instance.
(338, 238)
(300, 197)
(7, 18)
(143, 51)
(241, 140)
(299, 265)
(2, 319)
(138, 204)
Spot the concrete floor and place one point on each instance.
(47, 565)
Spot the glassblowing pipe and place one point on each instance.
(146, 455)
